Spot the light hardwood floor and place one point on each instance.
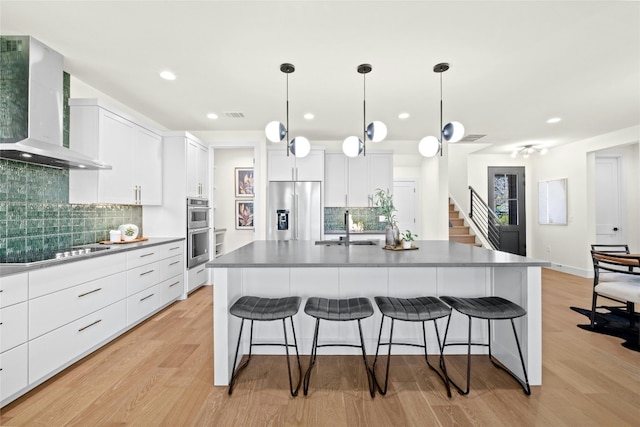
(161, 373)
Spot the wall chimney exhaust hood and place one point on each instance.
(31, 111)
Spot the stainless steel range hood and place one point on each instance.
(31, 106)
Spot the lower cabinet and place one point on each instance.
(14, 373)
(198, 276)
(64, 317)
(54, 350)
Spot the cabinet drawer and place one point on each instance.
(13, 373)
(13, 326)
(14, 289)
(142, 277)
(54, 310)
(52, 279)
(171, 267)
(143, 256)
(198, 276)
(171, 289)
(170, 250)
(51, 351)
(143, 303)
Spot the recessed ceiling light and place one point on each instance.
(167, 75)
(212, 116)
(81, 166)
(309, 116)
(403, 116)
(554, 120)
(26, 155)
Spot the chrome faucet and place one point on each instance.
(346, 226)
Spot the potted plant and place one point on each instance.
(407, 239)
(383, 200)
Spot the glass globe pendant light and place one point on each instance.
(430, 146)
(276, 131)
(375, 131)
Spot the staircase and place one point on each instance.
(458, 232)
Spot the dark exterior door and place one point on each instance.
(507, 199)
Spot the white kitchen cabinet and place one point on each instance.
(51, 317)
(349, 182)
(196, 277)
(197, 169)
(134, 152)
(152, 277)
(14, 371)
(281, 167)
(14, 289)
(13, 326)
(335, 182)
(50, 352)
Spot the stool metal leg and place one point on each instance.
(445, 377)
(366, 365)
(294, 393)
(383, 391)
(237, 370)
(312, 358)
(462, 392)
(524, 384)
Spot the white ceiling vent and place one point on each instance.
(472, 138)
(234, 114)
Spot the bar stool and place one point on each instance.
(265, 309)
(340, 310)
(421, 309)
(489, 308)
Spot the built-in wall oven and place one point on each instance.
(198, 231)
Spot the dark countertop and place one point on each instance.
(430, 253)
(9, 269)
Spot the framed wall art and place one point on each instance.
(244, 182)
(244, 215)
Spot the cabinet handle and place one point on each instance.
(90, 325)
(149, 254)
(198, 272)
(135, 194)
(174, 248)
(147, 297)
(174, 263)
(146, 272)
(173, 284)
(140, 194)
(90, 292)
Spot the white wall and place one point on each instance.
(226, 160)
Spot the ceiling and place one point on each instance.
(513, 64)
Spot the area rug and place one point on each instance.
(615, 322)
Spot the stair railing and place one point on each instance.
(484, 218)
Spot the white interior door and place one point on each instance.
(609, 227)
(405, 199)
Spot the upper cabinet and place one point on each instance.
(133, 151)
(350, 182)
(197, 168)
(281, 167)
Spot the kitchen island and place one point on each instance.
(302, 268)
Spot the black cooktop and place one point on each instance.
(39, 256)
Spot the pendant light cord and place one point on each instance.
(441, 130)
(287, 129)
(364, 114)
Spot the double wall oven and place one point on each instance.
(198, 231)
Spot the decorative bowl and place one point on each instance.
(129, 232)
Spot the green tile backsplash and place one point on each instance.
(35, 214)
(368, 217)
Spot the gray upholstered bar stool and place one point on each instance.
(338, 310)
(489, 308)
(421, 309)
(266, 309)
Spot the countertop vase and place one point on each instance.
(128, 231)
(392, 235)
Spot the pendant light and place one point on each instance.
(375, 131)
(276, 131)
(429, 146)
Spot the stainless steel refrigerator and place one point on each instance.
(294, 211)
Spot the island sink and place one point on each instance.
(342, 242)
